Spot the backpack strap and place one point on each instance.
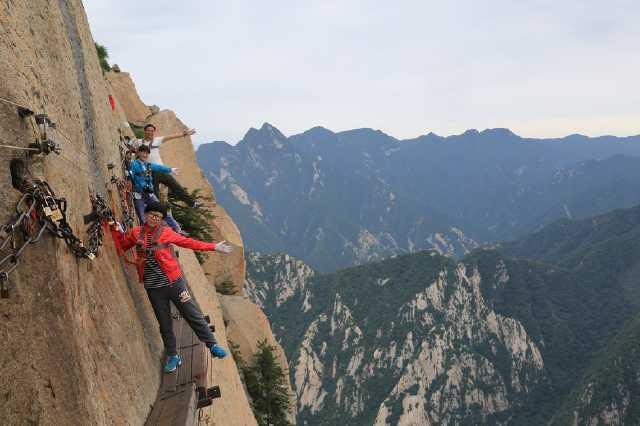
(156, 237)
(140, 240)
(141, 244)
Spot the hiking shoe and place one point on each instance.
(196, 204)
(173, 362)
(217, 351)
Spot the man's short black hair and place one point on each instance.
(144, 148)
(146, 126)
(155, 206)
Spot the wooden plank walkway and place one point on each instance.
(182, 391)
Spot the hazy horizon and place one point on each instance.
(413, 137)
(542, 69)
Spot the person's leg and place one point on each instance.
(156, 176)
(172, 222)
(159, 298)
(178, 191)
(181, 298)
(139, 204)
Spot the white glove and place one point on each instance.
(118, 227)
(224, 247)
(175, 171)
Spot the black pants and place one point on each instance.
(175, 188)
(181, 298)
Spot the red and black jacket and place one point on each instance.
(162, 250)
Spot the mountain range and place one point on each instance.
(544, 329)
(337, 199)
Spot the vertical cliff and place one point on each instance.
(79, 338)
(77, 334)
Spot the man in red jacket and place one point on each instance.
(160, 272)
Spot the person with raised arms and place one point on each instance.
(153, 142)
(159, 271)
(141, 172)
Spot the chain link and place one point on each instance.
(123, 184)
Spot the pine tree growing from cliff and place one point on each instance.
(266, 383)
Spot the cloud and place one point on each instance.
(405, 67)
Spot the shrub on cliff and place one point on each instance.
(195, 221)
(103, 55)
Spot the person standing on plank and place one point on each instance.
(141, 172)
(153, 142)
(159, 271)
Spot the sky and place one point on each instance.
(540, 68)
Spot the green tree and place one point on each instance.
(266, 384)
(194, 221)
(103, 55)
(138, 131)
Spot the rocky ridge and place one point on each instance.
(337, 199)
(421, 339)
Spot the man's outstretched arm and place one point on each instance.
(125, 240)
(186, 242)
(186, 132)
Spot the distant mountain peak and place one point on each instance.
(272, 130)
(498, 132)
(373, 135)
(266, 135)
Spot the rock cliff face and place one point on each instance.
(122, 85)
(436, 354)
(247, 326)
(80, 340)
(609, 392)
(77, 335)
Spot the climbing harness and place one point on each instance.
(39, 210)
(143, 250)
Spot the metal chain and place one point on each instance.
(101, 213)
(124, 191)
(39, 210)
(123, 185)
(23, 223)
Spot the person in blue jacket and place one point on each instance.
(141, 177)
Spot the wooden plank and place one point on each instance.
(201, 355)
(170, 380)
(186, 351)
(187, 414)
(175, 409)
(199, 368)
(177, 398)
(156, 413)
